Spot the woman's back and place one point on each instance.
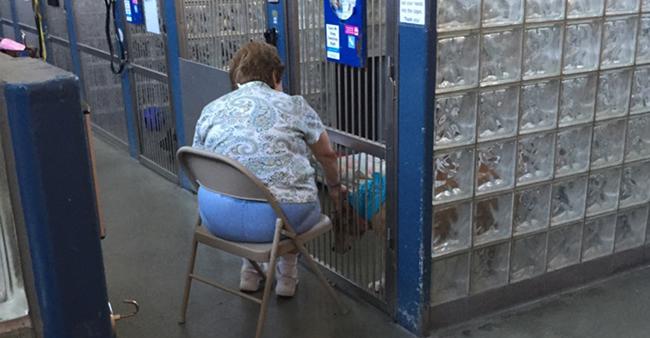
(269, 133)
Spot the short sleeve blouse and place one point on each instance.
(269, 132)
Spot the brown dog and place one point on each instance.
(348, 227)
(444, 219)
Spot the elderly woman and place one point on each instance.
(274, 135)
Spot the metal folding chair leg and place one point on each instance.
(269, 280)
(257, 268)
(188, 280)
(321, 277)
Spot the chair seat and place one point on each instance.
(260, 252)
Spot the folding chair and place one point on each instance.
(228, 177)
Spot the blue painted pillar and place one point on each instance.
(276, 18)
(2, 26)
(416, 79)
(174, 74)
(129, 112)
(14, 18)
(127, 92)
(75, 56)
(47, 136)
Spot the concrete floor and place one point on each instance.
(149, 224)
(616, 307)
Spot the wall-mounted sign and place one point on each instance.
(151, 16)
(412, 12)
(134, 11)
(345, 31)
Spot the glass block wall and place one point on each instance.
(542, 138)
(13, 299)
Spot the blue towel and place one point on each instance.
(369, 197)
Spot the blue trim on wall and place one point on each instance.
(276, 18)
(174, 76)
(57, 200)
(14, 18)
(129, 115)
(127, 96)
(2, 26)
(415, 171)
(75, 56)
(40, 246)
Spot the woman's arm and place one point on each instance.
(326, 156)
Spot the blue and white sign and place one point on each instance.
(134, 11)
(345, 28)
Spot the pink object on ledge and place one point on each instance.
(11, 45)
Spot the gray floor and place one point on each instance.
(618, 307)
(149, 231)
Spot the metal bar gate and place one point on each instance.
(131, 110)
(351, 102)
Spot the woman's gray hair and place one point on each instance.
(256, 61)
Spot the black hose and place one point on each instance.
(122, 61)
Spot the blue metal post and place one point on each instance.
(127, 90)
(174, 75)
(75, 56)
(54, 179)
(276, 16)
(129, 115)
(416, 76)
(14, 18)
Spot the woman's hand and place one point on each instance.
(338, 194)
(327, 157)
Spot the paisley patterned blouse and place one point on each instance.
(268, 132)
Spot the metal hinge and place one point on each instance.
(117, 317)
(391, 78)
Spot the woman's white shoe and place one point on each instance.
(286, 274)
(249, 278)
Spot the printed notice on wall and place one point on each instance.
(345, 31)
(333, 42)
(151, 16)
(333, 36)
(412, 12)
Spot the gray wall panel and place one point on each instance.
(200, 84)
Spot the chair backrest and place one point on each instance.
(226, 176)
